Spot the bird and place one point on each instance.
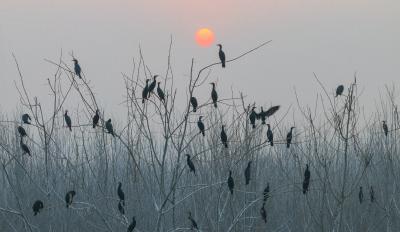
(190, 164)
(200, 125)
(95, 119)
(231, 183)
(306, 181)
(194, 223)
(132, 226)
(270, 135)
(37, 206)
(263, 213)
(69, 197)
(21, 131)
(145, 91)
(121, 194)
(121, 208)
(266, 193)
(193, 102)
(262, 115)
(253, 117)
(339, 90)
(24, 148)
(221, 55)
(272, 110)
(371, 194)
(26, 119)
(109, 127)
(77, 68)
(361, 195)
(68, 120)
(214, 94)
(385, 128)
(152, 86)
(247, 173)
(160, 92)
(289, 137)
(224, 138)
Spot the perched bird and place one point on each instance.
(263, 213)
(190, 164)
(270, 135)
(193, 102)
(371, 194)
(68, 120)
(121, 208)
(109, 127)
(385, 128)
(339, 90)
(224, 138)
(132, 226)
(266, 193)
(289, 137)
(231, 183)
(96, 119)
(262, 115)
(121, 194)
(77, 68)
(160, 92)
(252, 117)
(145, 91)
(21, 131)
(37, 206)
(194, 224)
(247, 173)
(221, 55)
(306, 181)
(24, 148)
(69, 197)
(214, 94)
(26, 119)
(200, 125)
(361, 195)
(271, 111)
(152, 86)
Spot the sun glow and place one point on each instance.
(204, 37)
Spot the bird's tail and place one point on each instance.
(223, 64)
(287, 145)
(254, 126)
(226, 145)
(70, 129)
(94, 125)
(204, 134)
(215, 104)
(79, 75)
(271, 143)
(35, 213)
(194, 109)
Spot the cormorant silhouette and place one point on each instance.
(121, 194)
(96, 119)
(266, 193)
(224, 138)
(252, 117)
(145, 91)
(160, 92)
(68, 120)
(361, 195)
(37, 206)
(339, 90)
(21, 131)
(270, 135)
(263, 213)
(371, 194)
(306, 181)
(121, 208)
(194, 224)
(385, 128)
(109, 127)
(289, 137)
(132, 225)
(231, 183)
(200, 125)
(26, 119)
(214, 94)
(247, 173)
(221, 55)
(262, 115)
(152, 86)
(190, 164)
(77, 68)
(193, 102)
(69, 197)
(24, 148)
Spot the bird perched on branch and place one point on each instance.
(231, 183)
(37, 206)
(193, 222)
(145, 91)
(69, 197)
(385, 128)
(193, 102)
(306, 181)
(200, 125)
(121, 194)
(96, 119)
(68, 120)
(214, 94)
(221, 55)
(132, 226)
(21, 131)
(361, 195)
(26, 119)
(224, 138)
(24, 148)
(339, 90)
(160, 92)
(289, 137)
(270, 135)
(77, 68)
(262, 115)
(253, 117)
(152, 86)
(190, 164)
(247, 173)
(109, 127)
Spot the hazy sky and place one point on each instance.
(332, 38)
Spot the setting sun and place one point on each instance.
(204, 37)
